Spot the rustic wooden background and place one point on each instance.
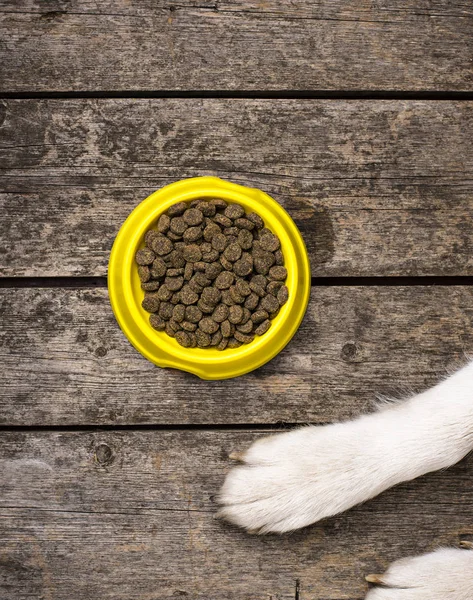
(357, 116)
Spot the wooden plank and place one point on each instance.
(129, 515)
(250, 45)
(377, 188)
(65, 361)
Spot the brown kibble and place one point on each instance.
(176, 260)
(256, 219)
(178, 225)
(222, 220)
(193, 216)
(188, 326)
(188, 271)
(224, 280)
(269, 303)
(220, 313)
(174, 283)
(233, 343)
(222, 344)
(144, 273)
(232, 252)
(177, 209)
(244, 224)
(234, 211)
(174, 237)
(278, 255)
(257, 289)
(227, 298)
(150, 303)
(243, 267)
(211, 296)
(157, 323)
(183, 339)
(246, 315)
(218, 203)
(174, 272)
(235, 314)
(231, 231)
(226, 264)
(204, 307)
(263, 327)
(165, 310)
(149, 237)
(216, 338)
(188, 296)
(226, 328)
(283, 295)
(210, 231)
(207, 208)
(219, 242)
(178, 313)
(259, 316)
(245, 327)
(264, 262)
(245, 239)
(211, 256)
(273, 287)
(244, 338)
(252, 301)
(278, 273)
(192, 234)
(242, 287)
(200, 266)
(145, 256)
(236, 297)
(269, 242)
(150, 286)
(208, 325)
(163, 223)
(175, 298)
(169, 330)
(164, 293)
(161, 245)
(201, 279)
(193, 314)
(212, 270)
(203, 339)
(192, 253)
(174, 325)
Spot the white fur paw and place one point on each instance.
(446, 574)
(291, 480)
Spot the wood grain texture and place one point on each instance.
(376, 188)
(66, 362)
(129, 515)
(245, 45)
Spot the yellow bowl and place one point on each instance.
(126, 294)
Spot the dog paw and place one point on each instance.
(291, 480)
(446, 574)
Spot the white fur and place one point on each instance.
(294, 479)
(446, 574)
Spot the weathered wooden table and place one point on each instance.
(355, 115)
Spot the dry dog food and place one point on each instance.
(213, 275)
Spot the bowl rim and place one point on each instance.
(125, 292)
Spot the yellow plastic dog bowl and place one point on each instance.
(126, 294)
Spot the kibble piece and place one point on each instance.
(222, 220)
(278, 255)
(188, 296)
(226, 264)
(269, 242)
(203, 339)
(259, 316)
(232, 252)
(218, 203)
(174, 237)
(235, 314)
(278, 273)
(150, 303)
(256, 219)
(188, 271)
(193, 216)
(161, 245)
(174, 325)
(220, 313)
(179, 312)
(157, 323)
(213, 269)
(174, 272)
(193, 340)
(257, 289)
(269, 303)
(216, 338)
(211, 296)
(207, 208)
(210, 231)
(227, 298)
(204, 307)
(183, 339)
(226, 328)
(188, 326)
(242, 287)
(169, 330)
(165, 310)
(246, 327)
(263, 327)
(233, 343)
(149, 237)
(244, 224)
(246, 316)
(175, 298)
(145, 256)
(231, 231)
(176, 260)
(192, 253)
(219, 242)
(174, 283)
(144, 273)
(224, 280)
(264, 262)
(210, 257)
(283, 295)
(178, 225)
(260, 280)
(234, 211)
(177, 209)
(201, 279)
(252, 301)
(208, 325)
(244, 338)
(192, 234)
(194, 203)
(236, 297)
(245, 239)
(243, 267)
(164, 293)
(222, 344)
(163, 223)
(274, 314)
(199, 266)
(150, 286)
(273, 287)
